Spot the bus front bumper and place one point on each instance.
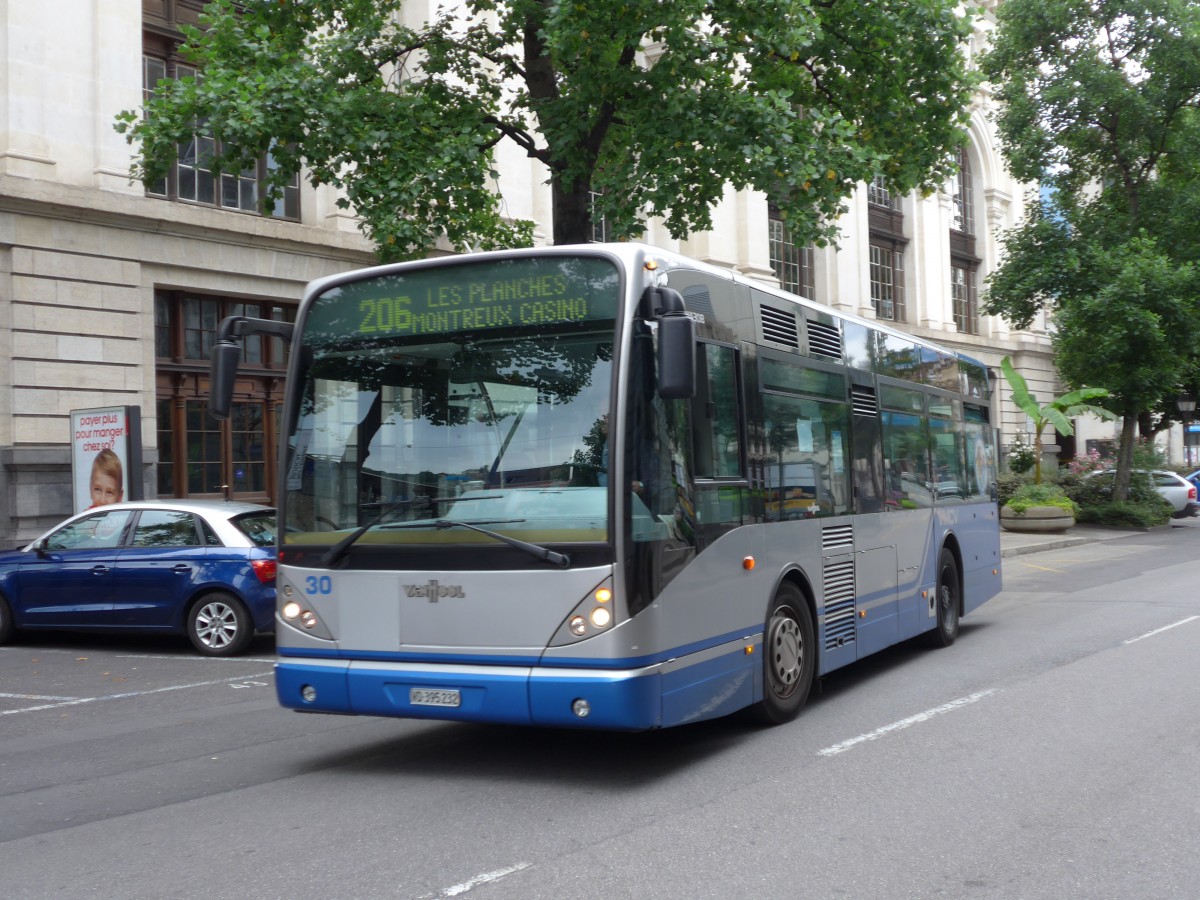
(628, 699)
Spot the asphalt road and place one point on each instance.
(1052, 752)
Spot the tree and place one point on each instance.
(1057, 413)
(1099, 101)
(636, 108)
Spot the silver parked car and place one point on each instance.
(1173, 488)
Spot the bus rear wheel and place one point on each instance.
(789, 657)
(949, 599)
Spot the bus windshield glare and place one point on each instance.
(468, 394)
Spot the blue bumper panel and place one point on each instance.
(626, 700)
(710, 689)
(616, 700)
(329, 681)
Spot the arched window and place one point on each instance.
(964, 195)
(964, 264)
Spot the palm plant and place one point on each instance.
(1058, 412)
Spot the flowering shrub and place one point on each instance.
(1092, 461)
(1021, 456)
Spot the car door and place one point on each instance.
(1172, 488)
(68, 581)
(156, 569)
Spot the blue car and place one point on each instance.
(204, 568)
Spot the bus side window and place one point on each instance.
(906, 455)
(718, 443)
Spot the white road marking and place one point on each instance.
(31, 697)
(905, 723)
(485, 878)
(79, 701)
(1161, 630)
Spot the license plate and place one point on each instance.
(429, 697)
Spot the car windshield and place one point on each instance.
(258, 526)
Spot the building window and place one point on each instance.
(885, 224)
(879, 195)
(962, 290)
(887, 280)
(964, 196)
(792, 265)
(197, 455)
(191, 178)
(600, 230)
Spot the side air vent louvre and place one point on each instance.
(824, 340)
(839, 604)
(780, 326)
(863, 401)
(837, 537)
(697, 299)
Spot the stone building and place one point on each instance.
(111, 291)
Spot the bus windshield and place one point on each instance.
(404, 429)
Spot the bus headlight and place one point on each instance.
(300, 616)
(596, 613)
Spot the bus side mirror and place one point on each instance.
(676, 342)
(227, 353)
(225, 358)
(676, 357)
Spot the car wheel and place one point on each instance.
(789, 657)
(7, 628)
(948, 599)
(219, 625)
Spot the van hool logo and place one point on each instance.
(433, 590)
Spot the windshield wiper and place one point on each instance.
(338, 550)
(544, 553)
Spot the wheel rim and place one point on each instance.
(787, 655)
(216, 625)
(949, 604)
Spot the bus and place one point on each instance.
(608, 486)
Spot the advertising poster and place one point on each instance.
(105, 455)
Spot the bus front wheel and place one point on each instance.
(789, 657)
(948, 598)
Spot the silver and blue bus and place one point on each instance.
(607, 486)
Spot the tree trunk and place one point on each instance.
(1125, 457)
(572, 212)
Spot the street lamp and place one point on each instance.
(1187, 406)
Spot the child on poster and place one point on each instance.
(108, 479)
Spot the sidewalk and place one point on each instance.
(1015, 544)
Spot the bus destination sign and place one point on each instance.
(520, 293)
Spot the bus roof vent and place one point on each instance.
(863, 401)
(824, 340)
(780, 326)
(837, 537)
(697, 299)
(839, 604)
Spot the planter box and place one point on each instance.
(1037, 520)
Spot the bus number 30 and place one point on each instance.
(315, 585)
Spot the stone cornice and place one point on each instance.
(150, 215)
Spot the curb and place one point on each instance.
(1046, 545)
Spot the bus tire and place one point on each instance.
(789, 657)
(949, 601)
(219, 625)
